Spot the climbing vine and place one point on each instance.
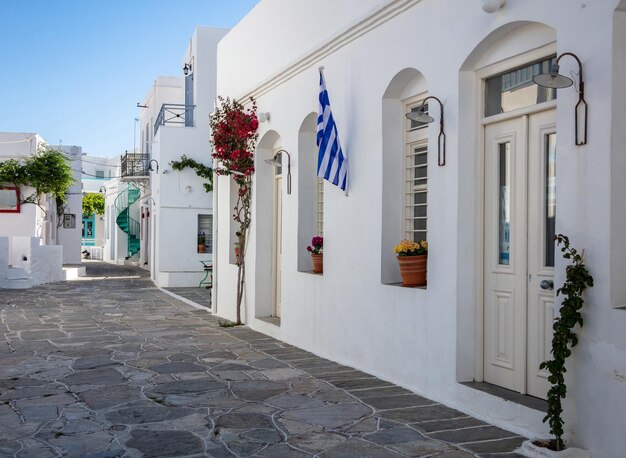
(577, 280)
(201, 170)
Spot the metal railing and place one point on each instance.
(135, 165)
(174, 114)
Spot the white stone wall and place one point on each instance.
(175, 199)
(427, 340)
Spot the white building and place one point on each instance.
(97, 173)
(483, 316)
(174, 208)
(34, 243)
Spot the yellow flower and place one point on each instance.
(411, 248)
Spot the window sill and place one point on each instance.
(310, 272)
(399, 285)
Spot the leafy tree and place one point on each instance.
(49, 172)
(93, 202)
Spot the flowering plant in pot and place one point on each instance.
(201, 243)
(317, 256)
(412, 261)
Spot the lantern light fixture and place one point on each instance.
(277, 161)
(554, 80)
(421, 116)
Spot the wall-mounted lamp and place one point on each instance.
(421, 116)
(263, 116)
(491, 6)
(139, 105)
(102, 190)
(277, 161)
(554, 80)
(186, 69)
(150, 168)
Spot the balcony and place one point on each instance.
(174, 114)
(135, 166)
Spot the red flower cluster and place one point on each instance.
(234, 136)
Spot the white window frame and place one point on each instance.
(319, 207)
(208, 233)
(415, 143)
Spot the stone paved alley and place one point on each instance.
(110, 366)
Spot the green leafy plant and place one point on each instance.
(48, 172)
(577, 280)
(201, 170)
(93, 202)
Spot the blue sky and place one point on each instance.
(73, 70)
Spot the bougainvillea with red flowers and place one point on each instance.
(234, 136)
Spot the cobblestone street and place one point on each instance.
(110, 366)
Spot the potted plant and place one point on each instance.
(412, 260)
(577, 280)
(201, 243)
(317, 256)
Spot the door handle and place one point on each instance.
(546, 284)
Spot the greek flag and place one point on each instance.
(332, 164)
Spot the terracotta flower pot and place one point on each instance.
(318, 263)
(413, 270)
(201, 248)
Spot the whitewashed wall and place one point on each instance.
(177, 198)
(426, 339)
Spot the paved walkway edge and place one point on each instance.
(186, 301)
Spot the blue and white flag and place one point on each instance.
(332, 164)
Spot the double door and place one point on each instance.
(519, 250)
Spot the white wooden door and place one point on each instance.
(520, 212)
(278, 242)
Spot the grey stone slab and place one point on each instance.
(361, 383)
(476, 434)
(105, 376)
(418, 414)
(31, 392)
(189, 386)
(176, 367)
(42, 335)
(93, 362)
(54, 400)
(358, 448)
(76, 445)
(244, 420)
(39, 413)
(427, 447)
(291, 401)
(394, 436)
(268, 436)
(282, 451)
(495, 446)
(444, 425)
(379, 392)
(165, 443)
(316, 442)
(101, 398)
(395, 402)
(147, 414)
(330, 416)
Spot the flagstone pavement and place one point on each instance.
(110, 366)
